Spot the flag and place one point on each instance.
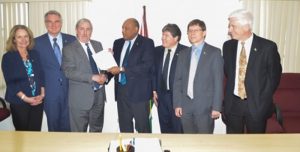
(144, 28)
(144, 32)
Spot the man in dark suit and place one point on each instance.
(252, 68)
(165, 64)
(198, 82)
(56, 84)
(134, 56)
(86, 83)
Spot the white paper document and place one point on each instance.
(140, 144)
(104, 59)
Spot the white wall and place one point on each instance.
(108, 16)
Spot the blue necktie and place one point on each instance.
(93, 65)
(57, 50)
(192, 72)
(124, 64)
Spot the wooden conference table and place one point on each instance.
(11, 141)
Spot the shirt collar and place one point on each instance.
(58, 37)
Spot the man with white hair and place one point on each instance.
(86, 82)
(252, 69)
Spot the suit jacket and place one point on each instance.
(77, 69)
(54, 76)
(16, 78)
(262, 75)
(159, 59)
(208, 81)
(139, 68)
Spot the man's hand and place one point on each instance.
(114, 70)
(99, 78)
(155, 98)
(178, 112)
(215, 114)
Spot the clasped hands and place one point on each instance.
(33, 101)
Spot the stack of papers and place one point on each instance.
(140, 144)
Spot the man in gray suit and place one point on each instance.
(86, 84)
(198, 82)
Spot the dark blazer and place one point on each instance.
(159, 58)
(16, 78)
(262, 76)
(54, 76)
(139, 69)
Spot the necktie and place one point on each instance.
(93, 65)
(123, 80)
(242, 73)
(166, 69)
(57, 50)
(192, 72)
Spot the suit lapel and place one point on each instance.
(233, 50)
(253, 52)
(95, 47)
(202, 59)
(118, 50)
(81, 52)
(173, 66)
(174, 60)
(135, 45)
(64, 40)
(161, 60)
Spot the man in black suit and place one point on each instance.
(165, 64)
(252, 68)
(134, 56)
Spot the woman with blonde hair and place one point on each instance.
(24, 80)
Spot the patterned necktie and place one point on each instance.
(166, 69)
(123, 79)
(242, 73)
(93, 65)
(57, 50)
(192, 72)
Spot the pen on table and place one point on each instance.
(120, 143)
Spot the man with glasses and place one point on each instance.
(198, 83)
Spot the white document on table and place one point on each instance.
(104, 59)
(140, 144)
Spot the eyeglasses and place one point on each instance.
(194, 31)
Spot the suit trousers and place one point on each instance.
(26, 117)
(239, 120)
(168, 121)
(80, 119)
(129, 110)
(57, 112)
(194, 121)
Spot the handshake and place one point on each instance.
(116, 70)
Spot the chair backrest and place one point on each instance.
(287, 96)
(4, 112)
